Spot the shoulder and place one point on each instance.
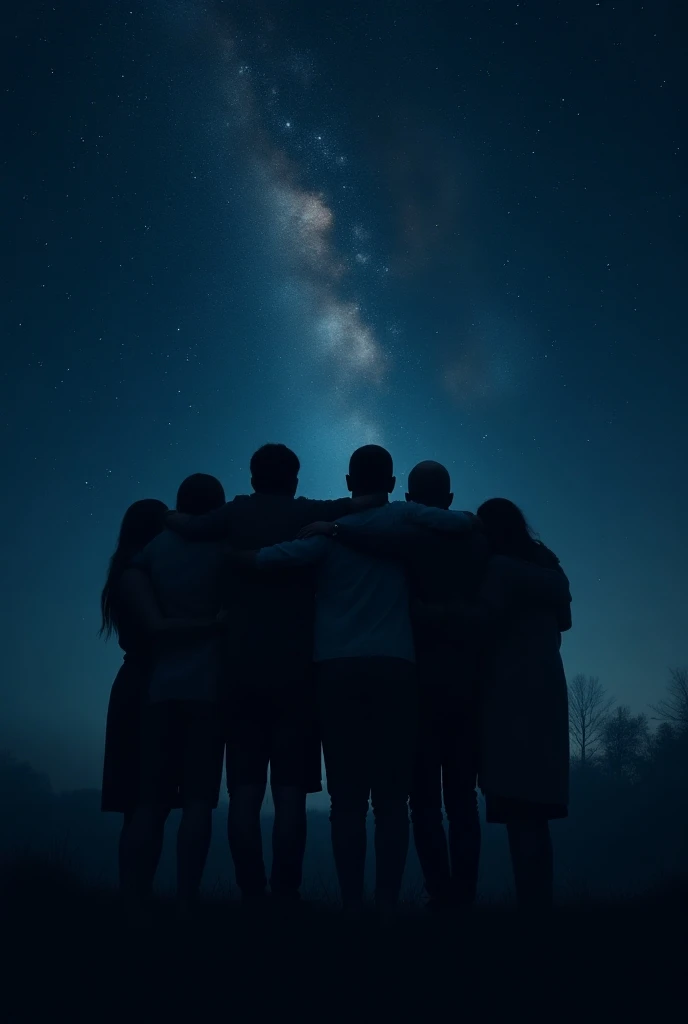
(310, 510)
(321, 503)
(546, 557)
(471, 547)
(168, 540)
(508, 569)
(160, 547)
(237, 509)
(500, 564)
(368, 515)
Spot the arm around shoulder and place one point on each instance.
(136, 592)
(443, 520)
(292, 553)
(214, 525)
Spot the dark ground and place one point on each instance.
(70, 954)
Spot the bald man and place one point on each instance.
(448, 569)
(442, 569)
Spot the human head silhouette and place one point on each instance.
(142, 522)
(371, 471)
(506, 528)
(275, 470)
(429, 484)
(200, 493)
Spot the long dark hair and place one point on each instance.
(508, 532)
(142, 521)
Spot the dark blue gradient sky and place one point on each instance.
(458, 230)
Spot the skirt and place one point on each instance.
(121, 765)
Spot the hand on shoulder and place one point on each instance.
(474, 521)
(175, 520)
(317, 530)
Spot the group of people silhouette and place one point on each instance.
(416, 647)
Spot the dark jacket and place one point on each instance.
(445, 570)
(525, 730)
(269, 639)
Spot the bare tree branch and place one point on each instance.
(674, 707)
(589, 707)
(625, 742)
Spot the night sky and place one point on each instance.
(457, 229)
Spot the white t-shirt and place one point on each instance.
(362, 606)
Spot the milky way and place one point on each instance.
(314, 282)
(445, 227)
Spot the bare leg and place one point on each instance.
(395, 714)
(288, 841)
(140, 849)
(391, 847)
(193, 842)
(426, 798)
(349, 840)
(347, 739)
(123, 840)
(464, 845)
(532, 860)
(245, 839)
(428, 827)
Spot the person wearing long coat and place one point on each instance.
(524, 761)
(525, 605)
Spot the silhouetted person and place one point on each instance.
(142, 521)
(267, 673)
(524, 767)
(366, 681)
(182, 742)
(445, 569)
(441, 568)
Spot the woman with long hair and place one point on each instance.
(130, 609)
(524, 761)
(142, 521)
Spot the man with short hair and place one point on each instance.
(366, 677)
(267, 684)
(442, 570)
(182, 742)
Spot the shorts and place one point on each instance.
(181, 753)
(276, 728)
(504, 810)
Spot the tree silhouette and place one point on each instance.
(26, 800)
(589, 707)
(674, 707)
(625, 743)
(662, 741)
(20, 784)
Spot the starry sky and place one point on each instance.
(456, 229)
